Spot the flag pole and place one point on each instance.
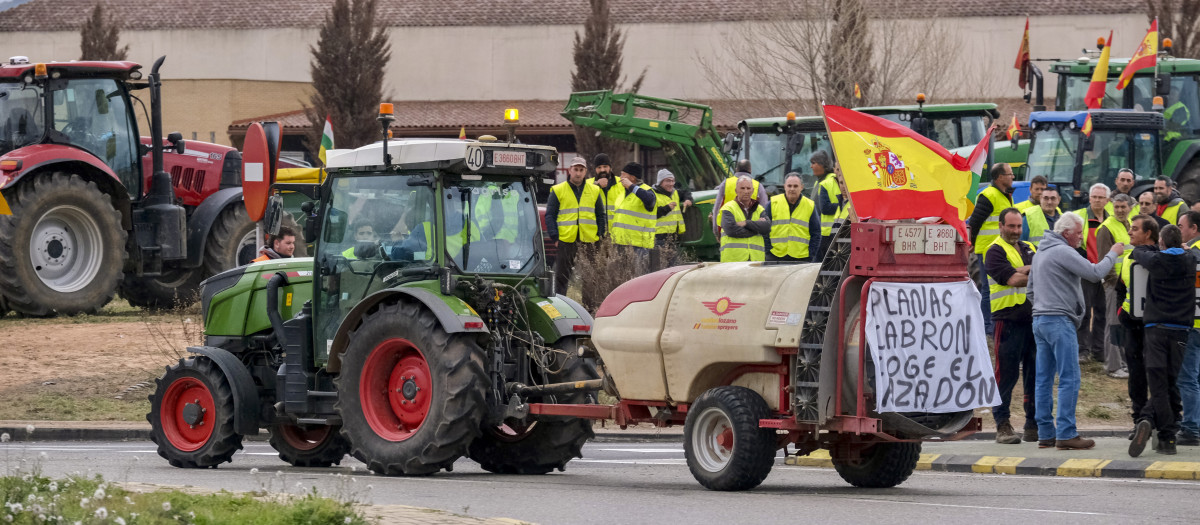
(1157, 48)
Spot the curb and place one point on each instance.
(1072, 467)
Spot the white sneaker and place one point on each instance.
(1119, 374)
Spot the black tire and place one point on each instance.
(387, 432)
(548, 444)
(725, 448)
(80, 246)
(177, 287)
(883, 465)
(309, 446)
(232, 229)
(187, 438)
(1189, 181)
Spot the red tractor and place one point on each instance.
(93, 207)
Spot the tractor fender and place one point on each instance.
(34, 158)
(564, 325)
(201, 222)
(245, 393)
(453, 319)
(1182, 158)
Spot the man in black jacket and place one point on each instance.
(1170, 310)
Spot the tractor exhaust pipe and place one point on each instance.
(160, 224)
(160, 184)
(524, 390)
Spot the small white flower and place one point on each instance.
(41, 517)
(16, 508)
(53, 486)
(101, 513)
(166, 506)
(4, 438)
(31, 498)
(8, 518)
(347, 520)
(99, 493)
(133, 515)
(119, 521)
(29, 429)
(84, 502)
(191, 514)
(43, 455)
(254, 470)
(128, 500)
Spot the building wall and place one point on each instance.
(214, 77)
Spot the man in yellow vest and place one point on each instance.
(1189, 370)
(1114, 229)
(1143, 231)
(611, 190)
(727, 189)
(1168, 201)
(984, 225)
(671, 203)
(574, 217)
(1006, 263)
(636, 220)
(1090, 331)
(745, 225)
(1041, 219)
(795, 224)
(1037, 185)
(831, 203)
(1122, 185)
(364, 232)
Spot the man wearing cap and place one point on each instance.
(795, 225)
(611, 191)
(727, 191)
(745, 225)
(574, 216)
(636, 219)
(671, 203)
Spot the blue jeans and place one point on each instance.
(1057, 353)
(1189, 384)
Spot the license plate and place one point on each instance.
(908, 238)
(508, 158)
(939, 239)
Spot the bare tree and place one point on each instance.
(598, 61)
(347, 67)
(1178, 20)
(100, 36)
(815, 51)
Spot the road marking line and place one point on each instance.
(926, 461)
(645, 450)
(1083, 468)
(982, 507)
(984, 464)
(633, 461)
(1173, 470)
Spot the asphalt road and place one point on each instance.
(648, 483)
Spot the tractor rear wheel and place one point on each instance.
(310, 445)
(232, 231)
(538, 447)
(724, 446)
(62, 249)
(176, 287)
(410, 395)
(191, 415)
(883, 465)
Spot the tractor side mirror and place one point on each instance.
(274, 215)
(730, 143)
(176, 140)
(920, 125)
(1162, 85)
(311, 221)
(101, 102)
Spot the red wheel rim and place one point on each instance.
(186, 414)
(302, 438)
(395, 389)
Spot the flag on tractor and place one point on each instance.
(1095, 93)
(1144, 57)
(857, 91)
(1013, 128)
(1022, 63)
(462, 133)
(326, 139)
(1086, 129)
(892, 172)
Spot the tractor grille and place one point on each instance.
(187, 178)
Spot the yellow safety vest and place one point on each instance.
(1004, 296)
(612, 198)
(635, 225)
(828, 221)
(1196, 323)
(1120, 232)
(577, 217)
(1036, 219)
(789, 229)
(1025, 205)
(1125, 263)
(734, 249)
(1172, 211)
(483, 216)
(990, 231)
(731, 189)
(672, 222)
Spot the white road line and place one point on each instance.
(981, 507)
(645, 450)
(670, 461)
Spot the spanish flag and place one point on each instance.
(1086, 129)
(1013, 128)
(1145, 56)
(1022, 63)
(857, 91)
(892, 172)
(1095, 93)
(462, 133)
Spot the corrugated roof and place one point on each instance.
(54, 15)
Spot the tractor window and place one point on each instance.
(491, 226)
(804, 145)
(1110, 151)
(1052, 154)
(93, 114)
(767, 156)
(1073, 88)
(1179, 108)
(23, 118)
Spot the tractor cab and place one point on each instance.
(951, 125)
(780, 145)
(1073, 153)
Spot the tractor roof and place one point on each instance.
(16, 69)
(433, 153)
(1102, 118)
(802, 123)
(1086, 65)
(980, 107)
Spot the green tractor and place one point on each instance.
(419, 332)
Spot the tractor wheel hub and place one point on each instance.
(193, 414)
(409, 389)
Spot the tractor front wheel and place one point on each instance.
(883, 465)
(538, 447)
(310, 445)
(230, 241)
(191, 415)
(1189, 181)
(411, 396)
(724, 446)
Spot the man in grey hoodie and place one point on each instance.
(1055, 288)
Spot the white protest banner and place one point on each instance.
(929, 348)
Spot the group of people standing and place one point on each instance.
(1057, 288)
